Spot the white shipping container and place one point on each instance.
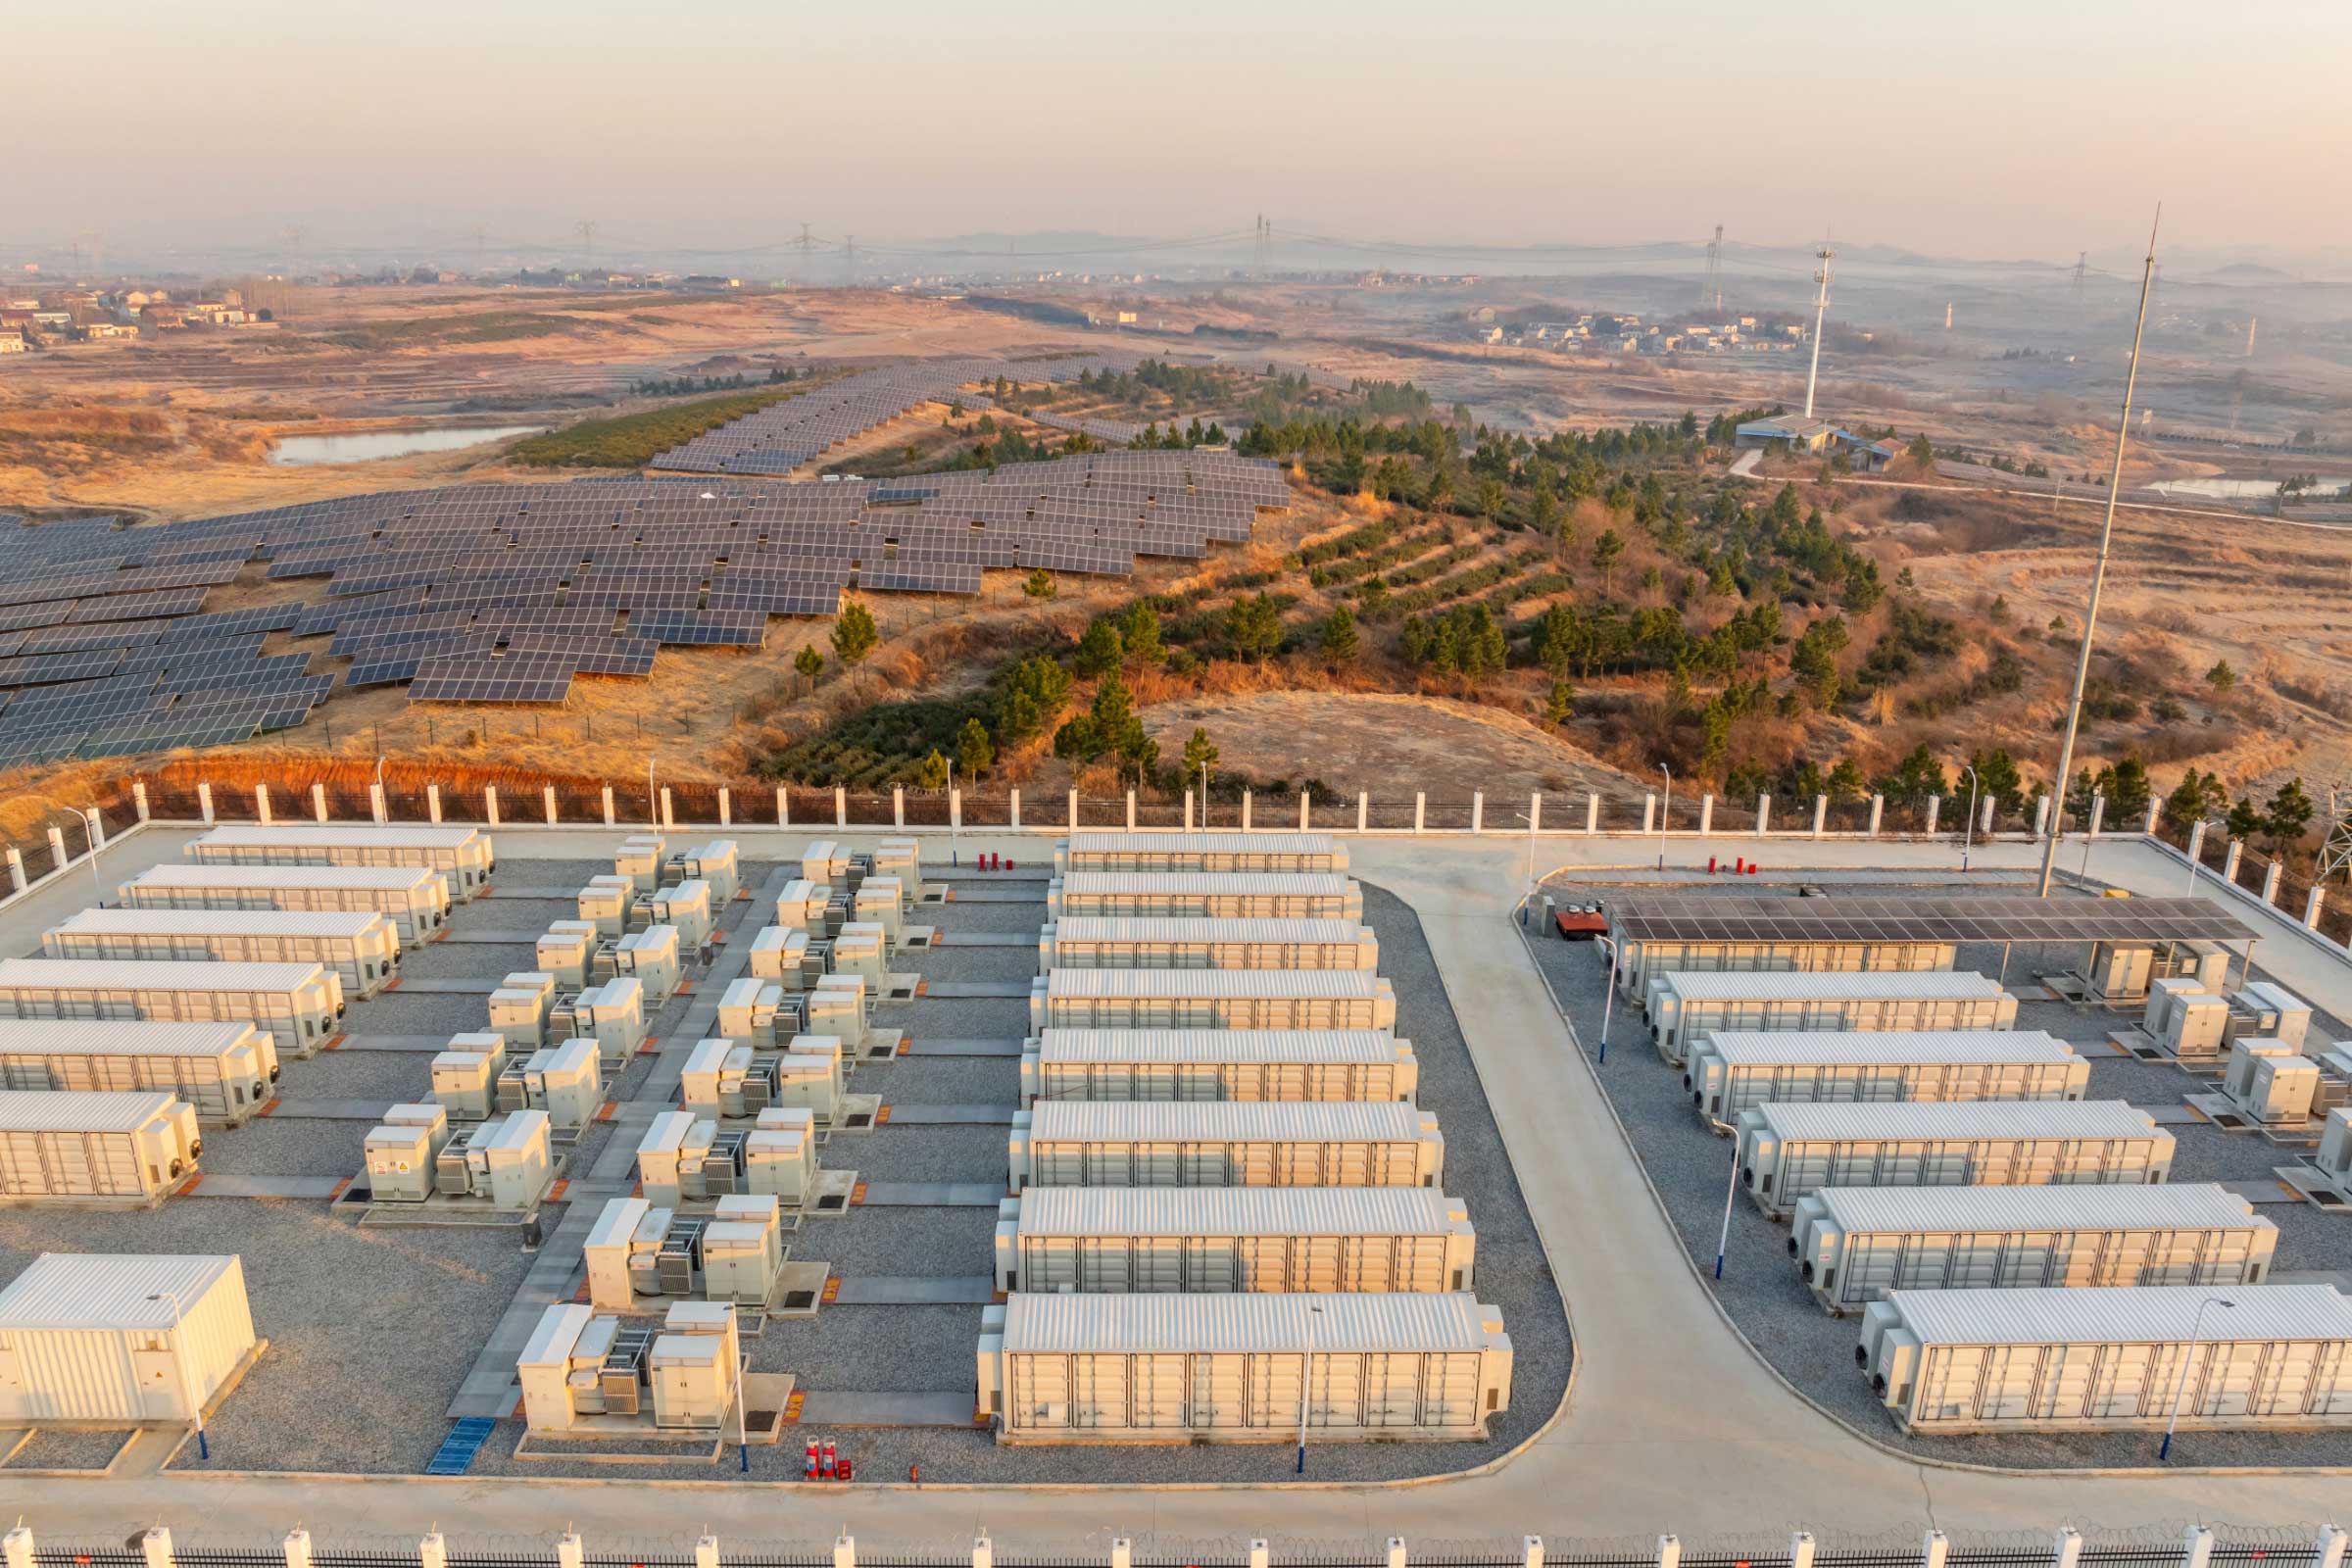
(1198, 851)
(1855, 1244)
(1135, 942)
(1210, 999)
(299, 1004)
(1206, 895)
(222, 1070)
(363, 947)
(461, 855)
(414, 898)
(1729, 1070)
(1218, 1064)
(1639, 961)
(98, 1338)
(1240, 1368)
(1098, 1240)
(1111, 1142)
(62, 1146)
(1683, 1007)
(2279, 1357)
(1787, 1151)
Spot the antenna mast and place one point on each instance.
(1820, 312)
(1710, 290)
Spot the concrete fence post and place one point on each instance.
(261, 803)
(2237, 847)
(432, 1551)
(93, 822)
(1707, 816)
(1535, 813)
(2313, 904)
(1122, 1553)
(984, 1552)
(1303, 797)
(1478, 810)
(1073, 822)
(607, 804)
(57, 847)
(1363, 811)
(1420, 811)
(156, 1547)
(841, 806)
(1763, 813)
(1131, 810)
(1015, 799)
(432, 804)
(1591, 811)
(727, 806)
(1395, 1552)
(2197, 1547)
(1650, 812)
(1933, 1550)
(897, 805)
(705, 1551)
(1985, 816)
(297, 1548)
(2326, 1552)
(2098, 814)
(2041, 815)
(2269, 882)
(2067, 1551)
(138, 800)
(1530, 1552)
(1935, 810)
(1670, 1551)
(667, 821)
(1244, 810)
(490, 804)
(546, 798)
(845, 1550)
(1259, 1555)
(1820, 814)
(783, 807)
(2197, 843)
(376, 803)
(570, 1551)
(318, 801)
(204, 802)
(1800, 1550)
(955, 810)
(15, 869)
(1878, 813)
(1188, 811)
(16, 1548)
(2155, 810)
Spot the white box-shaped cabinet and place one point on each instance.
(882, 901)
(686, 906)
(861, 948)
(780, 1156)
(466, 1083)
(520, 1006)
(509, 1160)
(724, 1080)
(613, 1014)
(659, 1155)
(837, 1007)
(564, 1081)
(809, 1073)
(121, 1340)
(823, 862)
(652, 955)
(694, 1367)
(605, 903)
(563, 951)
(223, 1070)
(781, 956)
(747, 1011)
(2290, 1012)
(639, 858)
(400, 1164)
(716, 862)
(301, 1005)
(801, 907)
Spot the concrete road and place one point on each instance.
(1672, 1425)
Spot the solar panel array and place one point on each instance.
(1702, 918)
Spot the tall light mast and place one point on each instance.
(1820, 312)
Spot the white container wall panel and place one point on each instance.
(299, 1004)
(1198, 851)
(1139, 1144)
(1638, 961)
(1210, 999)
(1729, 1070)
(1205, 895)
(1218, 1064)
(414, 898)
(83, 1338)
(363, 947)
(461, 855)
(225, 1071)
(2058, 1360)
(1137, 941)
(1683, 1007)
(1854, 1244)
(1238, 1368)
(61, 1145)
(1787, 1151)
(1114, 1239)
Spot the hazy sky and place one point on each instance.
(2001, 127)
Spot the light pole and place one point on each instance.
(383, 802)
(1731, 1192)
(1527, 901)
(1205, 796)
(1967, 829)
(1306, 1377)
(653, 801)
(1608, 1003)
(2187, 1353)
(187, 1385)
(89, 825)
(952, 827)
(1665, 817)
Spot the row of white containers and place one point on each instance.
(301, 1005)
(1140, 942)
(1218, 1064)
(223, 1071)
(1204, 895)
(363, 947)
(461, 855)
(414, 898)
(1200, 851)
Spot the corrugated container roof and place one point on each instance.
(1970, 1118)
(1243, 1322)
(1124, 1046)
(351, 924)
(1746, 1048)
(1783, 985)
(1184, 984)
(1235, 1211)
(120, 1037)
(363, 878)
(2186, 1205)
(363, 834)
(1202, 929)
(1116, 843)
(153, 974)
(2122, 1314)
(1223, 1121)
(107, 1291)
(1296, 884)
(92, 1111)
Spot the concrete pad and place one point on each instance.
(953, 1408)
(965, 1045)
(327, 1110)
(934, 1194)
(447, 986)
(463, 938)
(2170, 1115)
(949, 1115)
(976, 989)
(2263, 1190)
(268, 1186)
(530, 893)
(423, 1043)
(984, 938)
(916, 1290)
(999, 895)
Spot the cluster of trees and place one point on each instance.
(1151, 438)
(686, 385)
(1465, 640)
(2276, 823)
(1182, 385)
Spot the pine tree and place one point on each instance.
(808, 663)
(1100, 650)
(1140, 638)
(1200, 756)
(1341, 642)
(855, 635)
(974, 753)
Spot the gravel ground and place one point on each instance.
(418, 1013)
(71, 1450)
(291, 1147)
(358, 1075)
(451, 961)
(1690, 1167)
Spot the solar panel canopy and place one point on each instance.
(1715, 917)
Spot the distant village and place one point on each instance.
(52, 316)
(1625, 332)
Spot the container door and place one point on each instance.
(1336, 1395)
(2232, 1373)
(1039, 1398)
(1103, 1267)
(2030, 1258)
(1320, 1263)
(1215, 1164)
(2283, 1384)
(1221, 1391)
(1048, 1262)
(2067, 1378)
(1392, 1390)
(1249, 1165)
(2012, 1372)
(1158, 1264)
(1156, 1401)
(1948, 1386)
(162, 1395)
(1098, 1391)
(2126, 1378)
(1058, 1164)
(1449, 1388)
(1977, 1261)
(1223, 1263)
(1158, 1164)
